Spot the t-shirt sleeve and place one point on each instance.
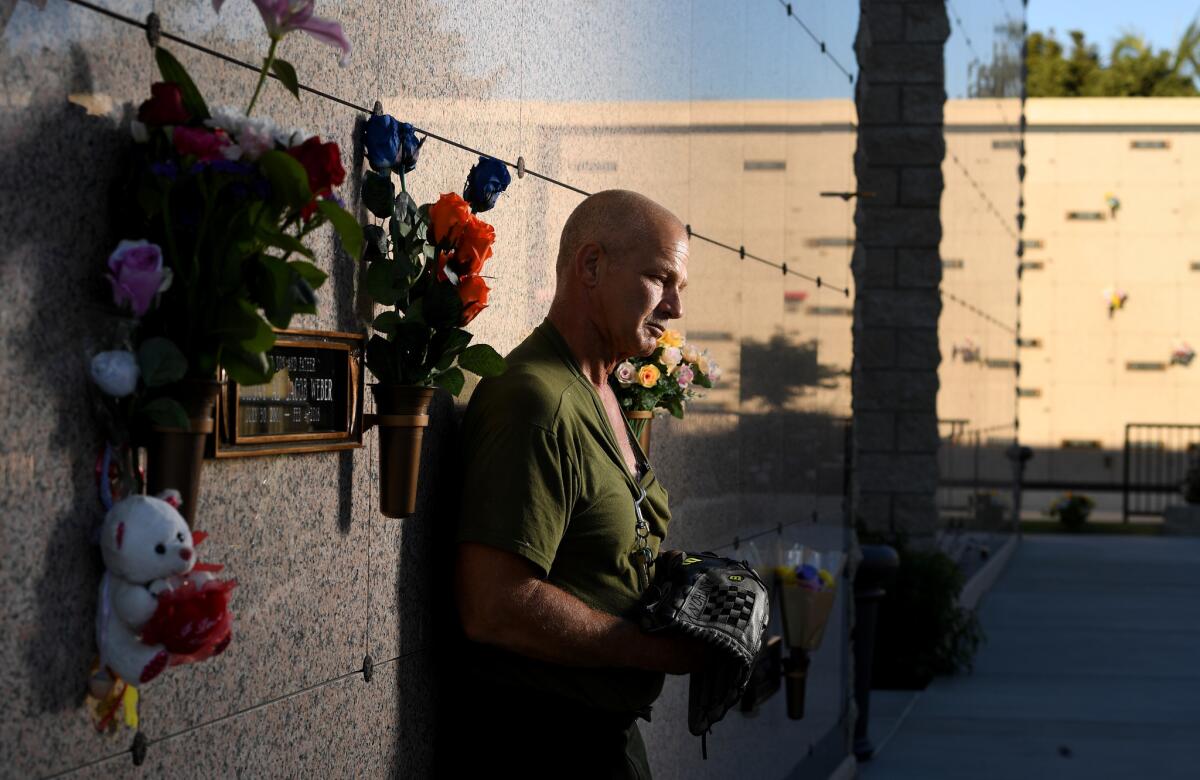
(517, 491)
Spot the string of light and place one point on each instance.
(518, 166)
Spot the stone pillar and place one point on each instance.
(897, 267)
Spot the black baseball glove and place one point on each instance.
(721, 602)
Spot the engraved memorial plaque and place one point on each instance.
(312, 402)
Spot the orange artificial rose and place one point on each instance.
(473, 291)
(473, 247)
(447, 217)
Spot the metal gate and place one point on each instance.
(1157, 457)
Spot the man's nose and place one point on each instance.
(672, 304)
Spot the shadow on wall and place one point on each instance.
(429, 628)
(779, 371)
(64, 157)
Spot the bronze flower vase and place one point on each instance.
(174, 455)
(639, 423)
(402, 414)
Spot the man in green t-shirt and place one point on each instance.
(562, 515)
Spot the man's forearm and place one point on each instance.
(547, 623)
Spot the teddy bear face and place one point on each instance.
(145, 539)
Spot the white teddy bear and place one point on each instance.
(146, 546)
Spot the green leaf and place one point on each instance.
(483, 360)
(452, 381)
(413, 338)
(160, 362)
(309, 273)
(387, 322)
(379, 194)
(245, 367)
(381, 359)
(443, 308)
(287, 76)
(347, 227)
(262, 339)
(379, 282)
(288, 179)
(166, 412)
(284, 241)
(375, 241)
(174, 72)
(271, 281)
(445, 346)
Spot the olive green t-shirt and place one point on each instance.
(545, 479)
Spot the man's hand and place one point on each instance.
(502, 601)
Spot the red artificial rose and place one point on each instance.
(323, 164)
(165, 106)
(448, 216)
(473, 292)
(203, 144)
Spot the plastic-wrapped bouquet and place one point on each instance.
(808, 584)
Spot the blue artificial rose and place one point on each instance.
(410, 147)
(487, 179)
(391, 143)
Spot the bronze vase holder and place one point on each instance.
(639, 422)
(174, 455)
(795, 675)
(402, 415)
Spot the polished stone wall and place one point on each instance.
(732, 115)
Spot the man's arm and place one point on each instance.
(502, 602)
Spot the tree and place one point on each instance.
(1133, 69)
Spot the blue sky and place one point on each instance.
(1159, 21)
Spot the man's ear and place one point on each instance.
(587, 263)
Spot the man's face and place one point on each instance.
(641, 291)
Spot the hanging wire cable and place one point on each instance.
(230, 715)
(816, 39)
(978, 312)
(987, 202)
(518, 166)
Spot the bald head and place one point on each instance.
(618, 220)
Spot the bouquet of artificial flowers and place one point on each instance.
(222, 209)
(665, 379)
(808, 585)
(426, 264)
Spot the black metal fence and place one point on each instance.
(1157, 457)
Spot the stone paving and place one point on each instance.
(1091, 670)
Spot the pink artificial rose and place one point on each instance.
(203, 144)
(684, 376)
(136, 274)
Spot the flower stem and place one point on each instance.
(403, 188)
(262, 76)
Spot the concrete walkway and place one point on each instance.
(1091, 670)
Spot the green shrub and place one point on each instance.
(1072, 510)
(922, 631)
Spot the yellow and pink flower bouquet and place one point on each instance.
(668, 378)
